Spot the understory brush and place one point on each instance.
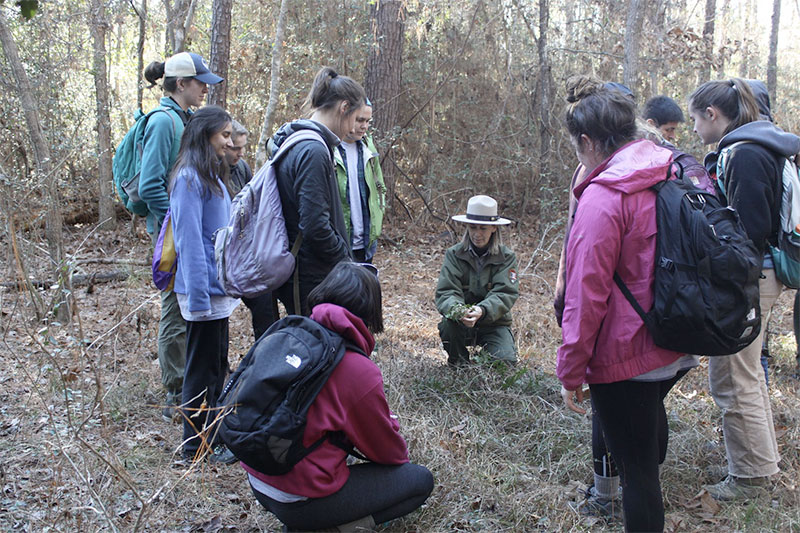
(83, 446)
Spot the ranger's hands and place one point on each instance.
(472, 316)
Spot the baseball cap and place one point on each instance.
(189, 65)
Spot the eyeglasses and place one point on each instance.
(369, 266)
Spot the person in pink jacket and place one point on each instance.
(604, 342)
(322, 491)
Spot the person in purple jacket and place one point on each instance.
(604, 342)
(200, 204)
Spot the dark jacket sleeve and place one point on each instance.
(751, 177)
(449, 290)
(314, 201)
(504, 292)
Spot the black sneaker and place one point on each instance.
(222, 455)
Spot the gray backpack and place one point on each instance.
(252, 252)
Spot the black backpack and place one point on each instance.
(266, 401)
(706, 274)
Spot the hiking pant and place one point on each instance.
(384, 492)
(497, 340)
(206, 363)
(739, 388)
(636, 432)
(171, 344)
(262, 313)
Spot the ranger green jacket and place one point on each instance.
(493, 287)
(377, 189)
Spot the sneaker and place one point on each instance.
(594, 505)
(222, 455)
(739, 488)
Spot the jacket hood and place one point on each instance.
(287, 129)
(636, 166)
(346, 324)
(766, 134)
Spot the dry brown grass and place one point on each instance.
(83, 447)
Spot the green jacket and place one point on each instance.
(494, 287)
(162, 137)
(373, 176)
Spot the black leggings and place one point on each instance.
(635, 427)
(603, 463)
(385, 492)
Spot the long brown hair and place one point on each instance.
(329, 88)
(733, 98)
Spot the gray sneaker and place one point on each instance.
(739, 488)
(594, 505)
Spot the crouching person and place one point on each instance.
(322, 491)
(477, 287)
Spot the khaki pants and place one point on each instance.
(739, 388)
(171, 344)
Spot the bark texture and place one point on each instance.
(384, 79)
(99, 28)
(633, 35)
(274, 85)
(772, 62)
(220, 50)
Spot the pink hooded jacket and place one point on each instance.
(603, 339)
(352, 401)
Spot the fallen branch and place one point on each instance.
(78, 280)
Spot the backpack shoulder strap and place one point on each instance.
(294, 138)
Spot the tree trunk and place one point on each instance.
(744, 65)
(704, 73)
(41, 151)
(772, 62)
(545, 91)
(142, 12)
(274, 85)
(179, 19)
(383, 81)
(633, 33)
(99, 25)
(220, 50)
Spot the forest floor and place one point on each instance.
(83, 446)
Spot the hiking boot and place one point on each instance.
(170, 413)
(739, 488)
(594, 505)
(222, 455)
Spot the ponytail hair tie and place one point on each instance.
(733, 85)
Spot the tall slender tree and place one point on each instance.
(41, 152)
(704, 73)
(179, 18)
(384, 78)
(772, 62)
(633, 34)
(142, 14)
(220, 50)
(274, 84)
(98, 27)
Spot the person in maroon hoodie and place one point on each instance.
(322, 491)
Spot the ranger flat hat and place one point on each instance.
(482, 210)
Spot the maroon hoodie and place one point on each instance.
(352, 401)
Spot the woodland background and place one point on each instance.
(468, 99)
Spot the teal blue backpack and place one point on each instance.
(128, 162)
